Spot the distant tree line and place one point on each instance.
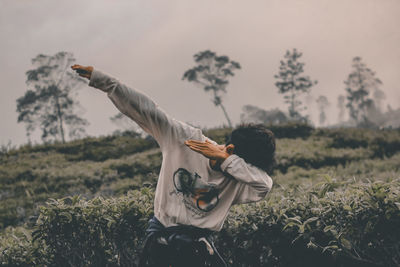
(50, 104)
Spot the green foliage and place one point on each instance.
(314, 153)
(17, 248)
(296, 224)
(363, 95)
(95, 148)
(380, 142)
(292, 84)
(50, 104)
(91, 166)
(331, 223)
(212, 73)
(291, 130)
(113, 165)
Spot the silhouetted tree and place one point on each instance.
(322, 103)
(258, 115)
(378, 97)
(49, 102)
(360, 83)
(211, 73)
(291, 83)
(341, 106)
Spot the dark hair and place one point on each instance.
(255, 144)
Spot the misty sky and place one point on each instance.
(149, 44)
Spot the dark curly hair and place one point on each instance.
(255, 144)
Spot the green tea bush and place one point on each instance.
(99, 232)
(381, 142)
(348, 137)
(94, 148)
(314, 153)
(291, 130)
(29, 179)
(330, 224)
(17, 248)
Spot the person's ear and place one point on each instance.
(230, 149)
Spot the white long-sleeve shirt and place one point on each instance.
(188, 190)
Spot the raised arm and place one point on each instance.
(139, 107)
(254, 182)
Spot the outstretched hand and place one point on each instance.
(83, 71)
(208, 149)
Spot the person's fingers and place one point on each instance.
(199, 146)
(76, 66)
(195, 146)
(193, 142)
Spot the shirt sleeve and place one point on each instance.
(144, 111)
(254, 183)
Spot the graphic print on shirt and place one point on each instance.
(197, 194)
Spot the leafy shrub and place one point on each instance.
(331, 224)
(291, 130)
(113, 165)
(381, 142)
(17, 248)
(347, 137)
(355, 225)
(386, 145)
(314, 153)
(95, 149)
(97, 232)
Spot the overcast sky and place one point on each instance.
(149, 44)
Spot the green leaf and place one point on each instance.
(345, 243)
(67, 215)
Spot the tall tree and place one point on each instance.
(360, 84)
(49, 102)
(211, 73)
(341, 106)
(323, 103)
(292, 84)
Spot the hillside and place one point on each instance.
(322, 178)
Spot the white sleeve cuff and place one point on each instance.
(228, 161)
(98, 80)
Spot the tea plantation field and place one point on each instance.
(335, 202)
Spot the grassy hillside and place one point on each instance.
(309, 163)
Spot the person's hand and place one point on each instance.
(83, 71)
(209, 150)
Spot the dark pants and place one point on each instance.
(161, 255)
(176, 247)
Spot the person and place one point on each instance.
(199, 179)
